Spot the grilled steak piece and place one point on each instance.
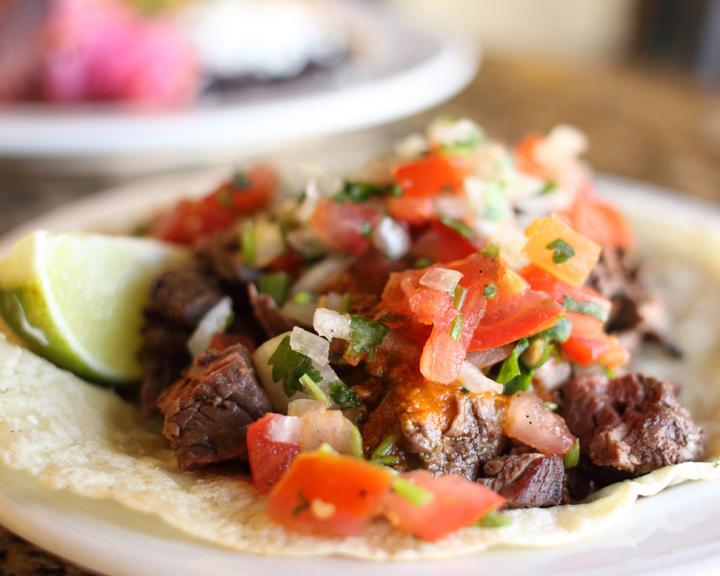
(439, 428)
(632, 423)
(529, 480)
(637, 314)
(178, 300)
(267, 313)
(221, 254)
(208, 410)
(184, 295)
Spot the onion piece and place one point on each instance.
(475, 381)
(391, 238)
(216, 320)
(311, 345)
(319, 275)
(330, 324)
(330, 427)
(269, 242)
(529, 421)
(286, 429)
(442, 279)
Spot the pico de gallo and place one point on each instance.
(427, 342)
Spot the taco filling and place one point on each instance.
(441, 336)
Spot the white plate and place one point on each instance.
(674, 533)
(396, 69)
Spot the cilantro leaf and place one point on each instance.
(562, 251)
(560, 332)
(359, 192)
(365, 334)
(288, 366)
(343, 395)
(459, 227)
(588, 308)
(275, 285)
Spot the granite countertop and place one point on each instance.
(651, 125)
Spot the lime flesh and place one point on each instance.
(77, 299)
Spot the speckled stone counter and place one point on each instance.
(648, 125)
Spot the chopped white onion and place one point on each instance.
(474, 380)
(391, 238)
(307, 206)
(285, 429)
(215, 320)
(560, 148)
(304, 406)
(311, 345)
(448, 132)
(442, 279)
(319, 275)
(412, 146)
(455, 207)
(331, 324)
(553, 373)
(329, 427)
(275, 391)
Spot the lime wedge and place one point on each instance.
(77, 299)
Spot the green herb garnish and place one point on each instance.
(303, 297)
(588, 308)
(491, 250)
(572, 456)
(359, 192)
(289, 366)
(422, 263)
(365, 334)
(510, 367)
(346, 302)
(562, 251)
(560, 332)
(460, 295)
(312, 389)
(275, 285)
(537, 353)
(225, 198)
(343, 395)
(366, 229)
(415, 495)
(381, 455)
(240, 179)
(249, 247)
(490, 291)
(493, 520)
(549, 186)
(496, 206)
(456, 327)
(464, 390)
(459, 227)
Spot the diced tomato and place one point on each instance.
(223, 340)
(525, 156)
(601, 222)
(430, 176)
(412, 210)
(291, 261)
(440, 243)
(328, 495)
(456, 503)
(273, 442)
(509, 318)
(554, 246)
(344, 225)
(192, 219)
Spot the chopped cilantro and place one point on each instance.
(549, 186)
(588, 308)
(459, 226)
(412, 493)
(510, 367)
(496, 206)
(490, 291)
(343, 395)
(460, 295)
(302, 505)
(456, 327)
(224, 197)
(366, 229)
(537, 353)
(493, 520)
(249, 248)
(572, 456)
(240, 179)
(365, 334)
(289, 366)
(491, 250)
(464, 390)
(346, 302)
(275, 285)
(562, 251)
(312, 389)
(303, 297)
(422, 263)
(359, 192)
(560, 332)
(381, 455)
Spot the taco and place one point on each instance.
(430, 357)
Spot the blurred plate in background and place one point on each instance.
(395, 69)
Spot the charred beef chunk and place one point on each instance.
(267, 313)
(439, 428)
(178, 300)
(529, 480)
(222, 255)
(637, 315)
(208, 410)
(632, 423)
